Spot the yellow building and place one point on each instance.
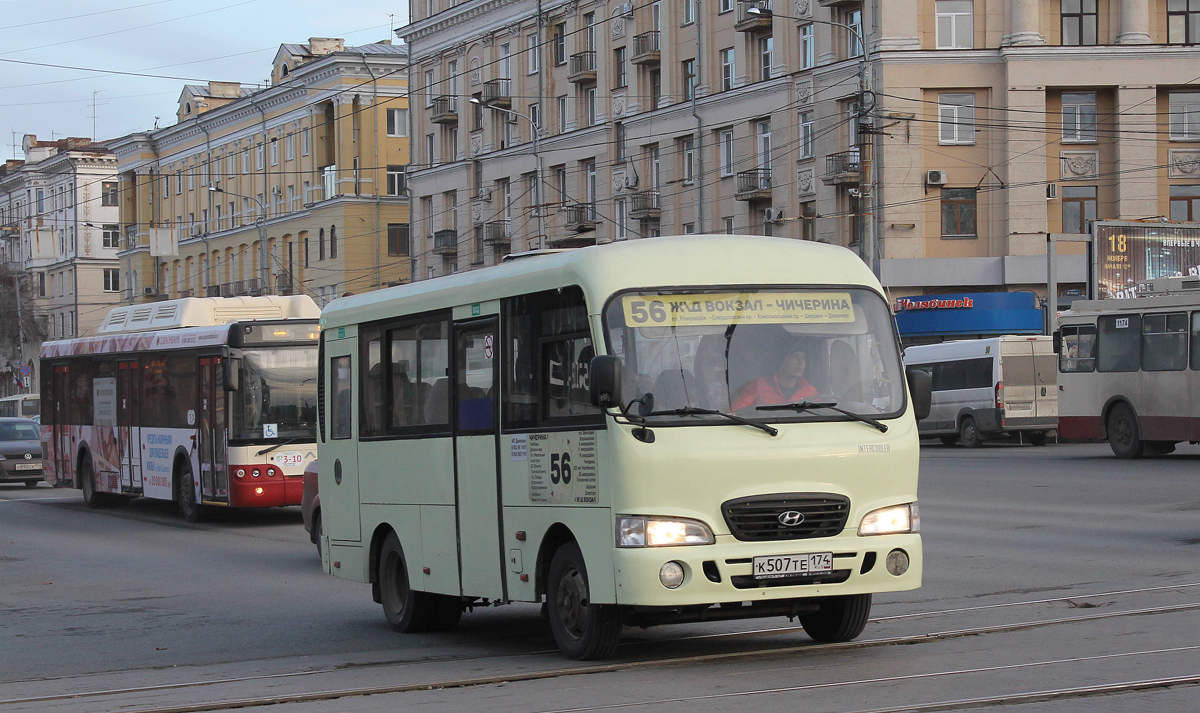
(294, 188)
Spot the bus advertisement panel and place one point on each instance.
(1129, 253)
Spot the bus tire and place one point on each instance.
(316, 530)
(948, 440)
(839, 618)
(407, 611)
(1037, 438)
(1124, 437)
(968, 433)
(87, 483)
(582, 629)
(191, 510)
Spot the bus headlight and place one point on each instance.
(891, 521)
(661, 532)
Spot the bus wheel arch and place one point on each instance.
(381, 533)
(556, 536)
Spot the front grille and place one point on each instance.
(756, 519)
(747, 581)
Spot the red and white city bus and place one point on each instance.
(203, 401)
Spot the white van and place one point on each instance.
(986, 387)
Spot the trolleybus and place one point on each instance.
(1129, 369)
(21, 405)
(623, 432)
(204, 401)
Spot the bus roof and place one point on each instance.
(205, 312)
(601, 270)
(1092, 308)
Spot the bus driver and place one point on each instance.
(787, 385)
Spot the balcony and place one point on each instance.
(841, 168)
(583, 68)
(645, 204)
(445, 242)
(645, 48)
(329, 181)
(754, 185)
(445, 110)
(581, 217)
(497, 232)
(757, 21)
(497, 92)
(283, 283)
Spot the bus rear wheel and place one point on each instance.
(582, 629)
(407, 611)
(191, 510)
(839, 618)
(87, 482)
(1123, 434)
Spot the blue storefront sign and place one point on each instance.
(969, 314)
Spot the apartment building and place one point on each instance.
(294, 188)
(943, 148)
(59, 233)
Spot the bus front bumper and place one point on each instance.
(722, 573)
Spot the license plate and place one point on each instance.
(29, 466)
(777, 566)
(287, 459)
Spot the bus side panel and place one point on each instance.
(405, 521)
(1164, 405)
(439, 551)
(159, 447)
(593, 530)
(411, 470)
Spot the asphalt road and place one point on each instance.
(1048, 571)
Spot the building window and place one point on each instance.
(689, 228)
(1185, 115)
(655, 88)
(619, 68)
(688, 152)
(958, 213)
(533, 53)
(1079, 21)
(622, 218)
(726, 6)
(766, 53)
(430, 81)
(689, 11)
(589, 101)
(429, 154)
(505, 68)
(304, 139)
(1185, 203)
(725, 146)
(397, 239)
(728, 222)
(807, 134)
(728, 69)
(560, 182)
(333, 241)
(689, 79)
(108, 193)
(808, 48)
(274, 152)
(110, 236)
(395, 180)
(854, 20)
(397, 122)
(288, 147)
(619, 141)
(321, 244)
(954, 24)
(559, 42)
(562, 114)
(763, 130)
(1183, 22)
(956, 118)
(1079, 117)
(808, 220)
(112, 279)
(1079, 207)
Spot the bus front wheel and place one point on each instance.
(1123, 434)
(87, 482)
(583, 629)
(839, 618)
(191, 510)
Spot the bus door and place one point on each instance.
(129, 409)
(210, 429)
(339, 448)
(477, 477)
(63, 467)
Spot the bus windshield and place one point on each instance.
(738, 350)
(278, 395)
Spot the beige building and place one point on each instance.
(59, 233)
(988, 124)
(294, 188)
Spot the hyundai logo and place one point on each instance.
(791, 518)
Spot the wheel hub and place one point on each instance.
(572, 603)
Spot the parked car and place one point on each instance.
(987, 387)
(20, 451)
(310, 505)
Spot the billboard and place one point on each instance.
(1128, 253)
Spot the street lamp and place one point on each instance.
(261, 222)
(537, 158)
(866, 248)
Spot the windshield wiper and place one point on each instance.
(831, 405)
(278, 445)
(694, 411)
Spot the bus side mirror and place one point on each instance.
(604, 387)
(920, 385)
(1057, 341)
(231, 371)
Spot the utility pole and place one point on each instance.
(20, 327)
(866, 148)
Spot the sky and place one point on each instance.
(190, 40)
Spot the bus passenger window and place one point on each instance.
(374, 387)
(340, 404)
(1078, 349)
(1164, 342)
(1120, 342)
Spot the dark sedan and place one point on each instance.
(21, 449)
